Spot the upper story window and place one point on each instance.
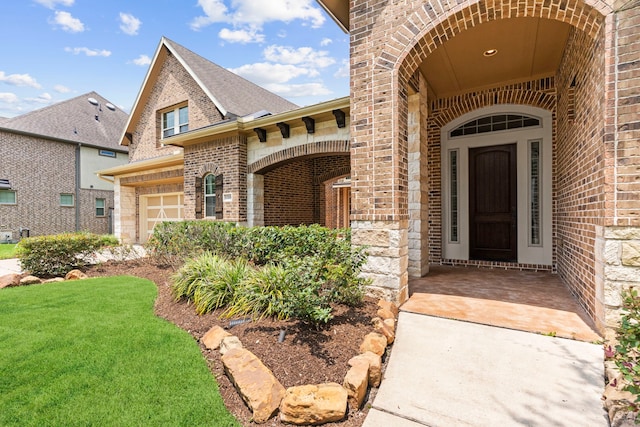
(175, 121)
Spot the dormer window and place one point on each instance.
(175, 121)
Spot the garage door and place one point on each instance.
(157, 208)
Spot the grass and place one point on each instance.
(92, 352)
(7, 250)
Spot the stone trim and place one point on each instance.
(321, 147)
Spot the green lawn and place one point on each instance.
(91, 352)
(7, 250)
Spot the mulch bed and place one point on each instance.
(306, 356)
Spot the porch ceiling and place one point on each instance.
(526, 48)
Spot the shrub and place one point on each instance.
(627, 352)
(300, 271)
(56, 255)
(209, 281)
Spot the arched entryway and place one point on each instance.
(444, 68)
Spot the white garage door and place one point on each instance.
(157, 208)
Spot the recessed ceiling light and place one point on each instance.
(490, 52)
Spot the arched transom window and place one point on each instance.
(494, 123)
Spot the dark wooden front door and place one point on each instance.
(492, 203)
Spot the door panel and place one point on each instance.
(493, 203)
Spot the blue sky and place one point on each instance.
(54, 50)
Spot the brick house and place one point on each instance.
(206, 143)
(500, 134)
(48, 160)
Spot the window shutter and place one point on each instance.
(198, 197)
(219, 192)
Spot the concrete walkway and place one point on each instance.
(10, 266)
(445, 372)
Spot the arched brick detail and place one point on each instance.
(340, 172)
(292, 153)
(445, 110)
(207, 168)
(429, 26)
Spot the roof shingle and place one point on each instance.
(75, 120)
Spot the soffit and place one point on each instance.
(339, 11)
(527, 48)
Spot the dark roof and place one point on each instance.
(234, 94)
(74, 120)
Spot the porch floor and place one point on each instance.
(521, 300)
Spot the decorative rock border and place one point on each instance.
(313, 403)
(12, 280)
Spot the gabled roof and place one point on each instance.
(232, 95)
(74, 120)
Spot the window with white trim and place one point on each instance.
(100, 207)
(210, 196)
(7, 197)
(175, 121)
(66, 200)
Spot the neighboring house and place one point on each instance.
(498, 134)
(48, 163)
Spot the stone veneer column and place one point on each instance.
(124, 212)
(388, 248)
(255, 199)
(617, 269)
(418, 183)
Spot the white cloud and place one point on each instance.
(343, 71)
(129, 24)
(87, 51)
(44, 98)
(142, 60)
(61, 89)
(68, 22)
(8, 97)
(263, 73)
(298, 90)
(241, 36)
(254, 12)
(51, 4)
(325, 41)
(303, 56)
(19, 80)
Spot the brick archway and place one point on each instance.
(292, 153)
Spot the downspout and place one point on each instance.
(77, 191)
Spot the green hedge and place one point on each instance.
(298, 272)
(56, 255)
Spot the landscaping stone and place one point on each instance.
(314, 404)
(54, 280)
(229, 343)
(30, 280)
(356, 381)
(75, 275)
(375, 343)
(380, 327)
(384, 314)
(255, 383)
(390, 306)
(213, 338)
(9, 280)
(622, 417)
(375, 366)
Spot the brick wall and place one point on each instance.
(579, 164)
(39, 170)
(174, 85)
(294, 192)
(226, 156)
